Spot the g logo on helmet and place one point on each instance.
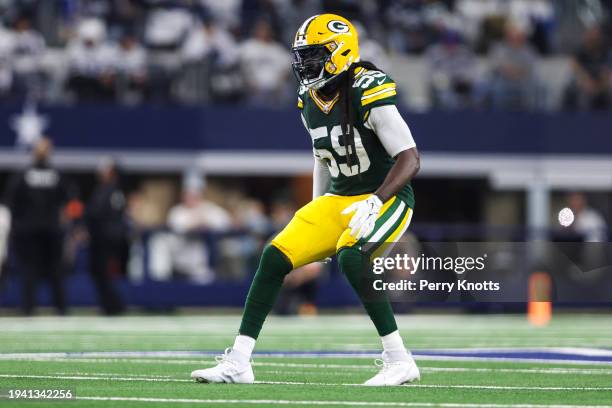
(338, 26)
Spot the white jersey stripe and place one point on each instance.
(389, 223)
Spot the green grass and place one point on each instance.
(303, 381)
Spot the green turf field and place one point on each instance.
(30, 357)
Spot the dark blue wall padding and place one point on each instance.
(242, 128)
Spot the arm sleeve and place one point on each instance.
(321, 178)
(391, 129)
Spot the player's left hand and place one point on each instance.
(366, 212)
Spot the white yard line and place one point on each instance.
(452, 386)
(570, 351)
(370, 367)
(269, 402)
(185, 361)
(93, 377)
(113, 374)
(577, 371)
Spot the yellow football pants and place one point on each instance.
(319, 230)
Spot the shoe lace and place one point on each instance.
(384, 365)
(225, 358)
(226, 361)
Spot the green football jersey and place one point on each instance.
(370, 163)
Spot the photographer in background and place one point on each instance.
(37, 198)
(108, 236)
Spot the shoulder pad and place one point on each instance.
(374, 87)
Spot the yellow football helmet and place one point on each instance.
(325, 46)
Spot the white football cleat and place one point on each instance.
(228, 370)
(394, 372)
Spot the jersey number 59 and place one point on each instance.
(335, 168)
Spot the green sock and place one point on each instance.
(266, 285)
(355, 265)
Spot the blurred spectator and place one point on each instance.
(130, 64)
(226, 13)
(513, 70)
(90, 60)
(371, 50)
(590, 85)
(539, 16)
(7, 44)
(453, 73)
(189, 220)
(574, 17)
(413, 24)
(265, 67)
(190, 63)
(210, 40)
(474, 13)
(167, 27)
(293, 13)
(108, 236)
(36, 198)
(210, 53)
(28, 51)
(357, 10)
(237, 254)
(252, 11)
(587, 221)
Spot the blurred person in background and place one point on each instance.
(108, 231)
(294, 12)
(7, 44)
(593, 257)
(588, 222)
(29, 49)
(167, 24)
(210, 40)
(237, 254)
(37, 198)
(453, 73)
(226, 13)
(264, 63)
(371, 50)
(591, 65)
(412, 24)
(513, 70)
(540, 15)
(574, 17)
(188, 221)
(90, 60)
(130, 64)
(214, 50)
(475, 13)
(253, 11)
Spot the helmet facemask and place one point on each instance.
(309, 63)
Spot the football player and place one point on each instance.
(365, 158)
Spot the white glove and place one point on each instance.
(366, 213)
